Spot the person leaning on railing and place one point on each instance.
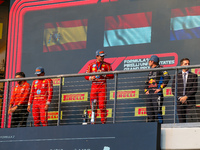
(41, 95)
(19, 102)
(187, 85)
(154, 85)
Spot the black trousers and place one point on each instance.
(186, 113)
(19, 117)
(154, 107)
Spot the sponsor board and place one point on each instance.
(167, 92)
(74, 97)
(1, 30)
(137, 62)
(108, 110)
(141, 111)
(196, 71)
(56, 81)
(125, 94)
(53, 115)
(142, 61)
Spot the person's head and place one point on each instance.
(39, 71)
(153, 61)
(100, 55)
(185, 62)
(20, 75)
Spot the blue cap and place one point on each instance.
(100, 53)
(154, 58)
(39, 70)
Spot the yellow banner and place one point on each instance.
(53, 115)
(1, 30)
(56, 81)
(125, 94)
(141, 111)
(74, 97)
(109, 113)
(196, 71)
(167, 92)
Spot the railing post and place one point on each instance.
(175, 96)
(115, 100)
(6, 104)
(59, 101)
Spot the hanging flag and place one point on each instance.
(66, 35)
(185, 23)
(128, 29)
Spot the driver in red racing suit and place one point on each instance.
(40, 96)
(99, 86)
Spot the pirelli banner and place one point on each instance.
(125, 94)
(75, 97)
(127, 136)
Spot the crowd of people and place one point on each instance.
(40, 93)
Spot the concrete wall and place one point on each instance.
(184, 136)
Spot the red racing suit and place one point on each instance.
(20, 94)
(99, 87)
(41, 94)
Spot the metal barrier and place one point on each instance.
(126, 100)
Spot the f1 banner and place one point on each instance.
(138, 62)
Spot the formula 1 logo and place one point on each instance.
(137, 62)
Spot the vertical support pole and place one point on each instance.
(6, 104)
(175, 96)
(115, 101)
(59, 101)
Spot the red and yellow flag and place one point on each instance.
(66, 35)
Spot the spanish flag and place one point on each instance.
(66, 35)
(128, 29)
(185, 23)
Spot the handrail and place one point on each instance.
(101, 73)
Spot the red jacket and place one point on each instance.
(103, 66)
(41, 91)
(20, 94)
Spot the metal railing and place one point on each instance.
(126, 100)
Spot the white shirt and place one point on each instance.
(185, 75)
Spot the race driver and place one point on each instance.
(156, 81)
(98, 89)
(40, 96)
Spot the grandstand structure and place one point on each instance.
(63, 36)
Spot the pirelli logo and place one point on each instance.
(75, 97)
(141, 111)
(196, 71)
(53, 115)
(56, 81)
(125, 94)
(1, 30)
(167, 92)
(108, 115)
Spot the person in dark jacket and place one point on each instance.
(156, 81)
(187, 85)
